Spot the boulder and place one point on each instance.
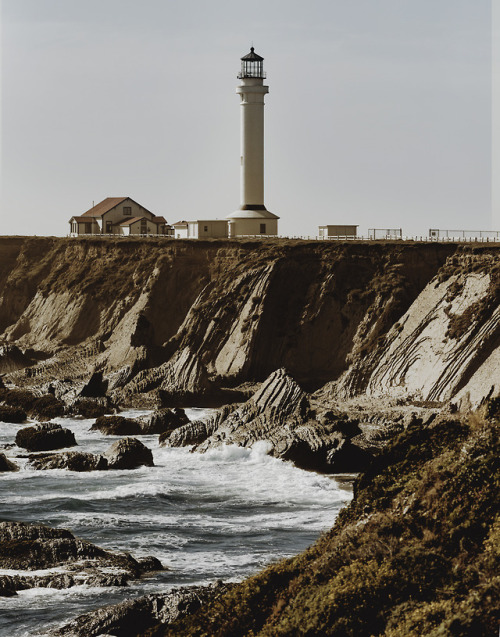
(6, 464)
(117, 426)
(128, 453)
(32, 547)
(44, 437)
(71, 460)
(12, 414)
(164, 421)
(89, 407)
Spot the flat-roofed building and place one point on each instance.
(337, 231)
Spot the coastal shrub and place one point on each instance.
(12, 414)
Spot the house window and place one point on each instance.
(262, 228)
(144, 227)
(88, 228)
(127, 211)
(109, 227)
(205, 228)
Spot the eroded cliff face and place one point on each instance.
(419, 321)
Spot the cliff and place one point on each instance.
(187, 320)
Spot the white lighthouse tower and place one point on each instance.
(252, 218)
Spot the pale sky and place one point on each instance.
(378, 113)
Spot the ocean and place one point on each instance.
(220, 515)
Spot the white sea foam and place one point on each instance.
(223, 514)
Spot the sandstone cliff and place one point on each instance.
(185, 319)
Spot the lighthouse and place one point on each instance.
(252, 217)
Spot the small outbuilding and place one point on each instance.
(201, 229)
(337, 232)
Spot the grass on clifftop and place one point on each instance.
(415, 553)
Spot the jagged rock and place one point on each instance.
(117, 426)
(95, 387)
(72, 460)
(182, 376)
(6, 464)
(44, 437)
(164, 421)
(128, 453)
(280, 413)
(135, 616)
(12, 414)
(197, 431)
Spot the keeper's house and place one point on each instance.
(119, 216)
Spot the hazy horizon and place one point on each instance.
(376, 115)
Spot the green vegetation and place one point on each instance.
(415, 553)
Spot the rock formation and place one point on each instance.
(30, 547)
(134, 617)
(281, 414)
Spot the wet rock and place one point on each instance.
(12, 414)
(45, 437)
(6, 464)
(128, 453)
(107, 580)
(164, 421)
(117, 426)
(149, 564)
(10, 584)
(32, 547)
(72, 460)
(135, 616)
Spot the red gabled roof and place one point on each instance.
(105, 206)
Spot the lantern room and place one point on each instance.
(252, 65)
